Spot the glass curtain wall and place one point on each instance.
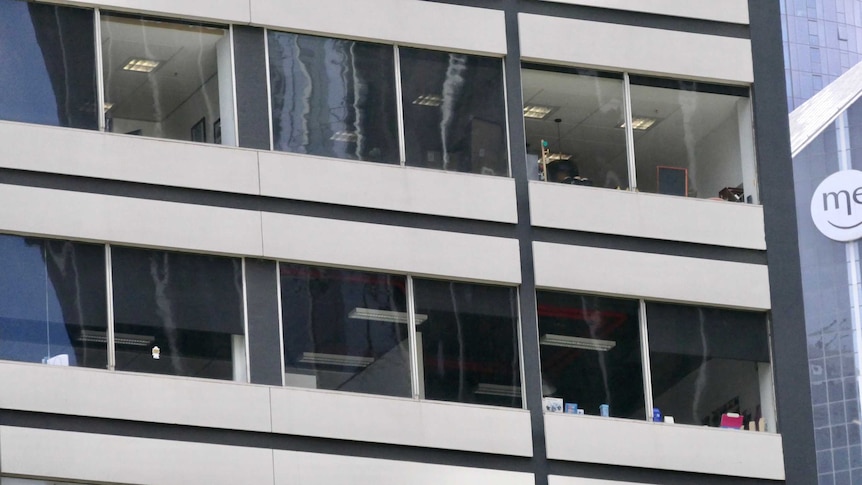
(52, 302)
(48, 71)
(167, 79)
(178, 314)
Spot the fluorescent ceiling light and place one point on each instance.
(429, 100)
(553, 157)
(141, 65)
(384, 315)
(347, 136)
(119, 338)
(498, 390)
(537, 112)
(335, 359)
(640, 123)
(577, 342)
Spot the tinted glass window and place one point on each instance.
(179, 314)
(48, 72)
(591, 353)
(52, 302)
(333, 97)
(467, 339)
(706, 362)
(454, 111)
(345, 330)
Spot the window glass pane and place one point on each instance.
(178, 314)
(693, 140)
(454, 111)
(467, 338)
(591, 353)
(48, 72)
(167, 79)
(707, 361)
(52, 302)
(345, 330)
(333, 97)
(579, 114)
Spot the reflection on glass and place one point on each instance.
(52, 302)
(167, 79)
(580, 114)
(48, 64)
(693, 140)
(333, 97)
(706, 362)
(467, 336)
(178, 314)
(591, 353)
(454, 111)
(345, 330)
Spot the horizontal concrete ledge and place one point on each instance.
(362, 417)
(676, 447)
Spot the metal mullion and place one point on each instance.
(506, 120)
(630, 137)
(411, 338)
(280, 320)
(109, 284)
(522, 372)
(100, 76)
(268, 93)
(645, 362)
(402, 145)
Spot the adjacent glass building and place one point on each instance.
(402, 241)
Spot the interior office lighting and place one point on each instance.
(384, 315)
(108, 106)
(119, 338)
(335, 359)
(429, 100)
(537, 112)
(347, 136)
(141, 65)
(577, 342)
(641, 123)
(498, 390)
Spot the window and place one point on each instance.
(708, 361)
(590, 350)
(454, 111)
(333, 97)
(703, 362)
(351, 331)
(48, 71)
(178, 314)
(339, 98)
(52, 302)
(467, 340)
(167, 79)
(692, 139)
(681, 138)
(345, 330)
(577, 117)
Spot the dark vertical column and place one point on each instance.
(252, 105)
(264, 339)
(529, 321)
(775, 171)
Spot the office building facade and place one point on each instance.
(398, 241)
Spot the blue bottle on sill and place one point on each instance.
(605, 410)
(657, 416)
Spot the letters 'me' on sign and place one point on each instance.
(836, 206)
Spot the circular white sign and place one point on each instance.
(836, 206)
